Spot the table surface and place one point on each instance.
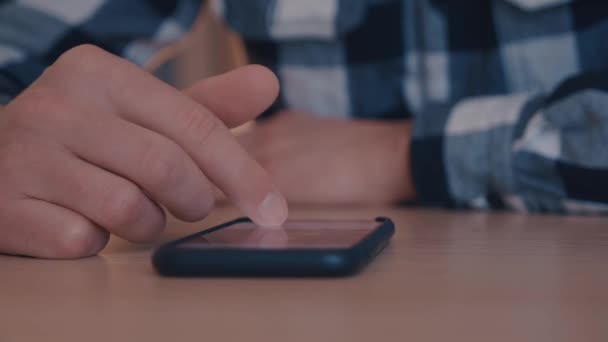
(446, 276)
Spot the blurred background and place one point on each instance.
(210, 48)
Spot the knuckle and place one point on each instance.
(124, 206)
(79, 240)
(162, 166)
(82, 58)
(197, 124)
(88, 72)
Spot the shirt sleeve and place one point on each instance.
(530, 152)
(33, 33)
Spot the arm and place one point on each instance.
(530, 152)
(33, 36)
(322, 161)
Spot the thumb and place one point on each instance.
(237, 96)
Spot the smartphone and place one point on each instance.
(298, 248)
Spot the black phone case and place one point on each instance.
(169, 260)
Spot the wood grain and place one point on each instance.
(447, 276)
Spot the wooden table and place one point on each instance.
(447, 276)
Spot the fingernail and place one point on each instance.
(273, 209)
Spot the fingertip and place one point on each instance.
(259, 83)
(272, 211)
(263, 76)
(238, 95)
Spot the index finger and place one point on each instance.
(143, 99)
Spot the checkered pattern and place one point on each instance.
(33, 33)
(509, 98)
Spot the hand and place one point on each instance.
(323, 161)
(96, 145)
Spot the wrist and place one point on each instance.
(393, 172)
(404, 187)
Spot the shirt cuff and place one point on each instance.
(427, 158)
(461, 155)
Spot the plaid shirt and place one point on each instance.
(509, 98)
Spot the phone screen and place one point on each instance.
(293, 234)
